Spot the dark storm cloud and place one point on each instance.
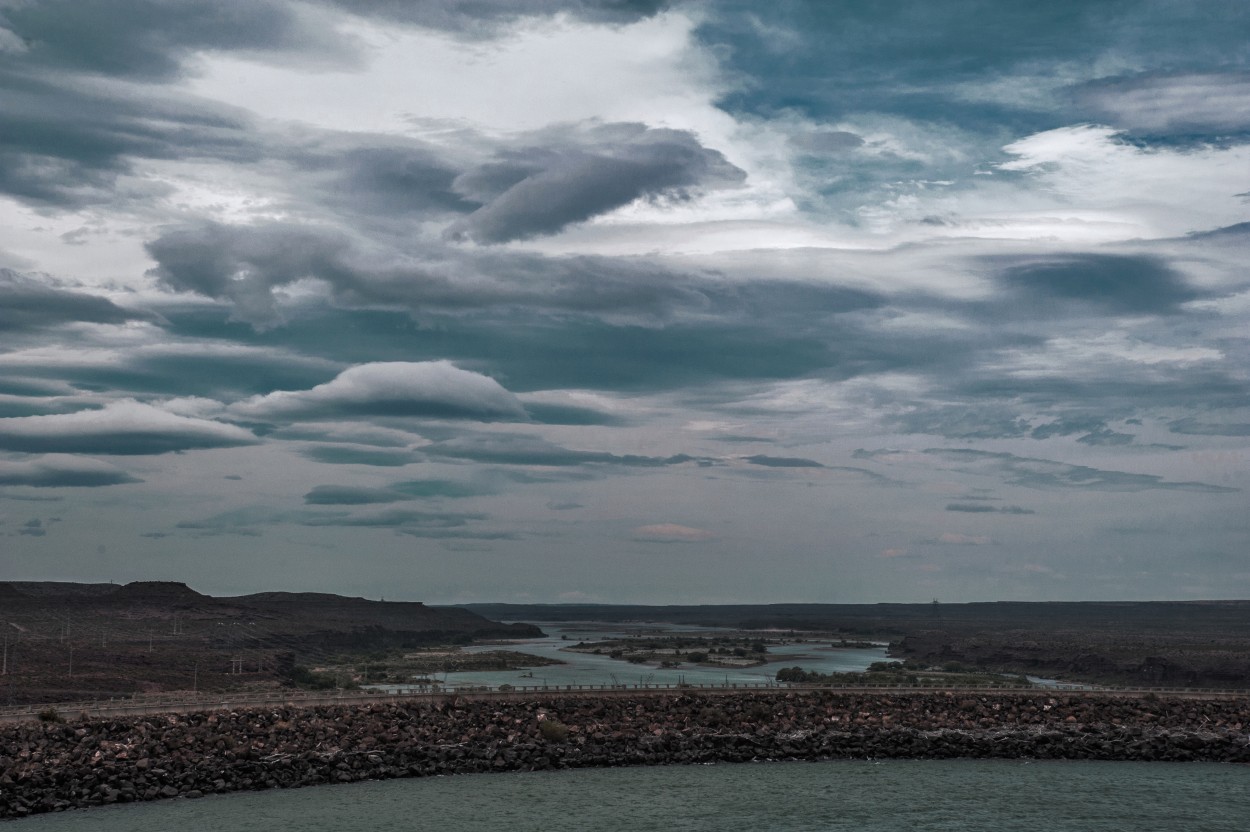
(123, 427)
(146, 39)
(212, 369)
(485, 18)
(60, 471)
(1107, 283)
(571, 176)
(29, 304)
(245, 264)
(385, 176)
(533, 351)
(1049, 474)
(67, 142)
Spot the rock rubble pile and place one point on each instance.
(55, 766)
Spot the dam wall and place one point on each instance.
(53, 766)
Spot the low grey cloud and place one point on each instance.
(1106, 436)
(394, 518)
(982, 508)
(360, 455)
(671, 533)
(457, 534)
(71, 142)
(448, 489)
(782, 461)
(251, 518)
(1192, 426)
(1049, 474)
(570, 176)
(436, 389)
(563, 505)
(1108, 283)
(245, 265)
(348, 495)
(62, 471)
(124, 427)
(972, 421)
(820, 142)
(28, 304)
(530, 450)
(398, 492)
(1183, 103)
(957, 539)
(352, 433)
(147, 39)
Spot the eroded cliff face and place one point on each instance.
(51, 766)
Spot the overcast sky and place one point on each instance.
(628, 301)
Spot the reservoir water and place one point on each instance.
(916, 796)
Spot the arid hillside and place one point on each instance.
(64, 641)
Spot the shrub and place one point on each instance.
(553, 730)
(50, 715)
(696, 657)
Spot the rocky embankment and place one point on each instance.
(54, 766)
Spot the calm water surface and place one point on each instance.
(914, 796)
(589, 669)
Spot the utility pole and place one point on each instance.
(4, 670)
(195, 679)
(71, 661)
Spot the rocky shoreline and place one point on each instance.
(47, 767)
